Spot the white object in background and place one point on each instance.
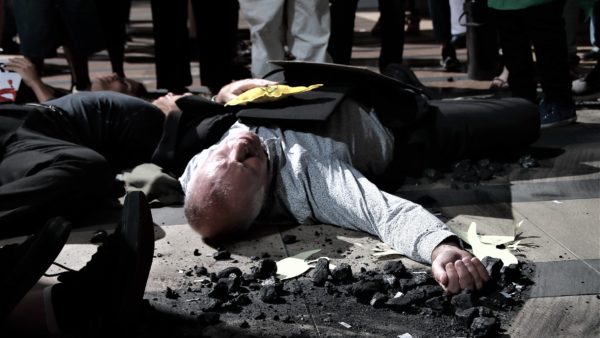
(456, 10)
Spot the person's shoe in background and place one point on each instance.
(451, 64)
(449, 60)
(556, 113)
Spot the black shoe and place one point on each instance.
(23, 264)
(451, 64)
(556, 113)
(104, 296)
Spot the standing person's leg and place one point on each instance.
(516, 53)
(81, 36)
(546, 28)
(171, 44)
(114, 15)
(392, 31)
(267, 32)
(571, 16)
(308, 29)
(342, 13)
(217, 51)
(38, 30)
(440, 16)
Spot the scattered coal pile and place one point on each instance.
(468, 173)
(368, 299)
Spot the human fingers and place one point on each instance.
(483, 274)
(453, 280)
(473, 272)
(248, 84)
(439, 273)
(464, 277)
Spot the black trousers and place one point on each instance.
(63, 161)
(217, 27)
(543, 28)
(342, 31)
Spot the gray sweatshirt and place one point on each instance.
(322, 177)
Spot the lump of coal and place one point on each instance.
(391, 281)
(466, 316)
(510, 273)
(342, 273)
(485, 174)
(269, 294)
(228, 271)
(98, 237)
(485, 312)
(289, 239)
(405, 301)
(528, 162)
(464, 300)
(222, 255)
(378, 300)
(321, 272)
(436, 303)
(493, 266)
(241, 300)
(432, 174)
(395, 268)
(483, 326)
(213, 305)
(364, 289)
(208, 318)
(200, 271)
(496, 167)
(197, 252)
(233, 283)
(169, 293)
(244, 325)
(416, 280)
(220, 290)
(464, 171)
(260, 316)
(265, 269)
(330, 288)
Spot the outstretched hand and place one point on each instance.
(25, 68)
(236, 88)
(456, 269)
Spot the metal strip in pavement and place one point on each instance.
(507, 193)
(566, 278)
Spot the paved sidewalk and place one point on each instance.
(559, 203)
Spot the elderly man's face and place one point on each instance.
(237, 169)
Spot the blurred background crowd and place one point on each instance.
(526, 48)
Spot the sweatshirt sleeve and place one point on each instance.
(338, 194)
